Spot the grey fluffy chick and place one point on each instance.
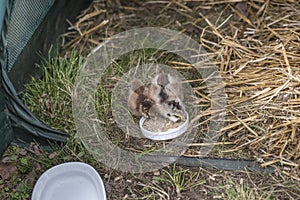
(167, 93)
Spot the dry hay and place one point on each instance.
(255, 44)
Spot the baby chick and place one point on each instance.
(163, 98)
(167, 93)
(139, 102)
(170, 83)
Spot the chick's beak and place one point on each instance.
(179, 118)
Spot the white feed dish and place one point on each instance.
(166, 135)
(69, 181)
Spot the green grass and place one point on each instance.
(22, 192)
(181, 179)
(49, 98)
(234, 190)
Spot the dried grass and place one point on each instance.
(255, 44)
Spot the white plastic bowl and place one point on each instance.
(166, 135)
(69, 181)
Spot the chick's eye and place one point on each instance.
(169, 115)
(178, 106)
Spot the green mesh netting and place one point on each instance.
(24, 20)
(28, 29)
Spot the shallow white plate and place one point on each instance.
(166, 135)
(69, 181)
